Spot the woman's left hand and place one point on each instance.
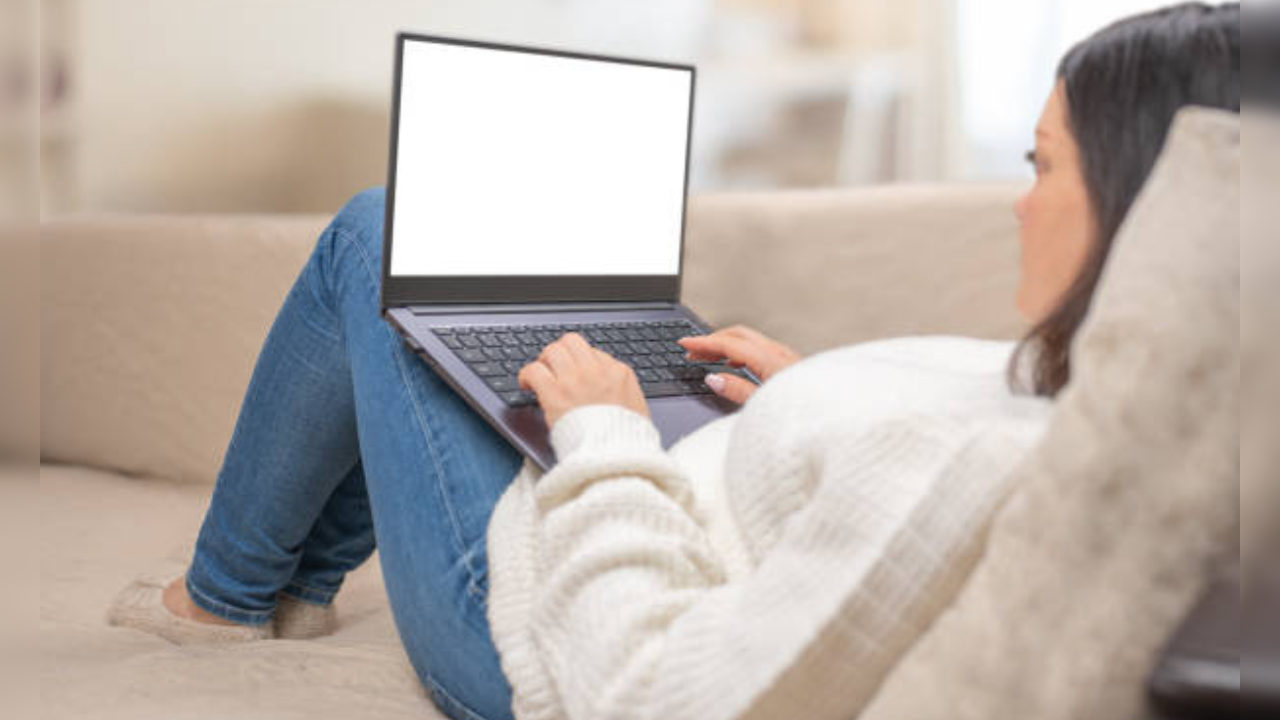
(739, 346)
(570, 373)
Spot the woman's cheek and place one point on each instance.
(1031, 261)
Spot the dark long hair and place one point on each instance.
(1124, 84)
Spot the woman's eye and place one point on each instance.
(1036, 162)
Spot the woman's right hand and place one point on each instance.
(739, 345)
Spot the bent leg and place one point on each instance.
(340, 414)
(434, 470)
(339, 542)
(294, 442)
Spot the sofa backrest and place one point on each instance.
(150, 328)
(824, 268)
(151, 324)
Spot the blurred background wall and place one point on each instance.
(282, 105)
(19, 110)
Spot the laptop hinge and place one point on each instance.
(463, 308)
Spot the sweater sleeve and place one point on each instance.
(614, 604)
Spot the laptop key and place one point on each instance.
(518, 397)
(695, 387)
(680, 373)
(488, 369)
(471, 355)
(502, 383)
(663, 388)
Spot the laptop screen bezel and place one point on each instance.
(423, 289)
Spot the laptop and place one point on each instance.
(534, 192)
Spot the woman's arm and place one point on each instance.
(609, 602)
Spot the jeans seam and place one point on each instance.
(455, 525)
(300, 586)
(324, 303)
(225, 611)
(438, 689)
(307, 594)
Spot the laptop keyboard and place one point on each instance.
(497, 353)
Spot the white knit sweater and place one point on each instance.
(773, 564)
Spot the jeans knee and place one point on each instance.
(362, 218)
(359, 223)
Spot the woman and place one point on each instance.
(774, 564)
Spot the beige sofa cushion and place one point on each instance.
(150, 329)
(99, 531)
(1135, 486)
(823, 268)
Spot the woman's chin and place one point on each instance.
(1024, 307)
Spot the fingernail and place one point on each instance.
(715, 382)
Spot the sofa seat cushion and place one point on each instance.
(100, 530)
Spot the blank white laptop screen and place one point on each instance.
(519, 163)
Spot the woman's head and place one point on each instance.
(1099, 136)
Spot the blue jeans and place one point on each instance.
(347, 441)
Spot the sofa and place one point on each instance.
(150, 326)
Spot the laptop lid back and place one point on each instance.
(527, 175)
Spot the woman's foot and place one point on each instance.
(166, 610)
(295, 619)
(178, 601)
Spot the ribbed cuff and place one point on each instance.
(596, 426)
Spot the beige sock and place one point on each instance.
(140, 605)
(301, 620)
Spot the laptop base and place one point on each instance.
(524, 426)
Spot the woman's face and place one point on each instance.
(1055, 214)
